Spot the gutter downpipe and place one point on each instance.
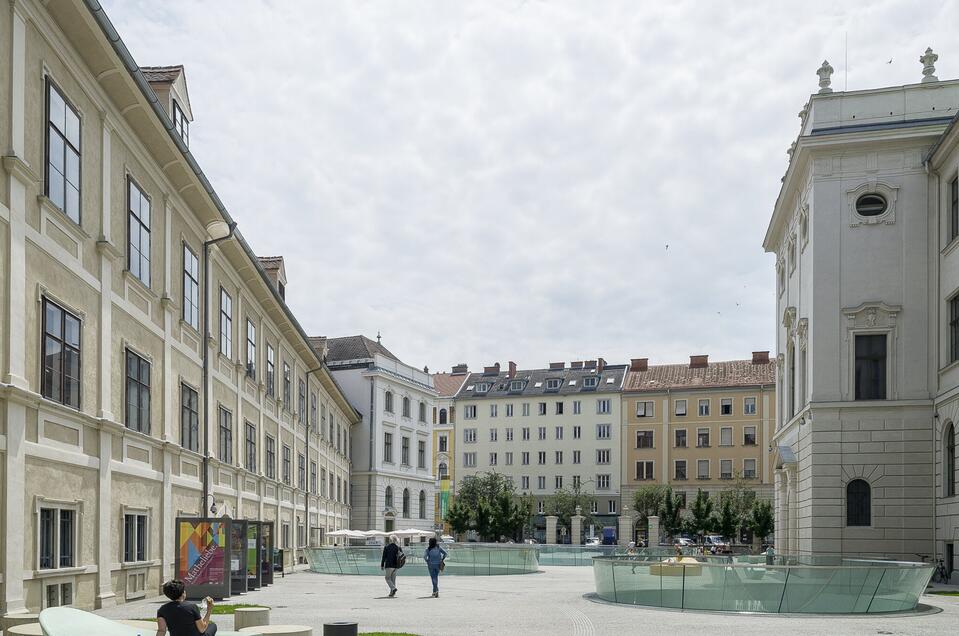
(306, 495)
(935, 410)
(206, 363)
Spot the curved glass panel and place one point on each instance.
(462, 559)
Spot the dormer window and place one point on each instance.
(553, 384)
(590, 382)
(516, 385)
(181, 124)
(482, 387)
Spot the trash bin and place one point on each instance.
(340, 629)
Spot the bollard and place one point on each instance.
(339, 629)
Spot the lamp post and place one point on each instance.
(218, 231)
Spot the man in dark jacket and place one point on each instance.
(389, 563)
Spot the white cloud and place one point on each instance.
(499, 180)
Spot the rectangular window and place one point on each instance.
(525, 409)
(612, 506)
(644, 471)
(542, 408)
(300, 471)
(644, 409)
(726, 406)
(644, 439)
(421, 454)
(725, 469)
(323, 489)
(680, 438)
(749, 469)
(469, 460)
(749, 406)
(313, 415)
(250, 447)
(443, 444)
(422, 413)
(524, 482)
(703, 408)
(509, 434)
(469, 412)
(493, 410)
(180, 123)
(525, 433)
(493, 433)
(134, 538)
(702, 438)
(138, 393)
(405, 451)
(577, 482)
(576, 456)
(525, 458)
(509, 458)
(387, 447)
(577, 432)
(270, 457)
(542, 432)
(287, 386)
(680, 408)
(515, 386)
(749, 436)
(270, 370)
(726, 436)
(287, 464)
(702, 469)
(602, 482)
(559, 408)
(954, 209)
(250, 350)
(559, 482)
(301, 400)
(492, 459)
(62, 185)
(954, 329)
(680, 469)
(313, 478)
(469, 435)
(226, 324)
(509, 410)
(603, 431)
(61, 355)
(57, 544)
(541, 482)
(191, 288)
(594, 507)
(138, 229)
(189, 419)
(553, 384)
(577, 407)
(602, 456)
(541, 456)
(559, 432)
(871, 367)
(604, 406)
(559, 457)
(225, 448)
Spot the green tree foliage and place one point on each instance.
(761, 520)
(701, 520)
(648, 500)
(459, 516)
(727, 522)
(670, 514)
(563, 502)
(741, 496)
(488, 504)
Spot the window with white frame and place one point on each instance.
(542, 432)
(602, 482)
(680, 408)
(525, 433)
(749, 469)
(509, 458)
(644, 439)
(559, 457)
(590, 382)
(680, 469)
(680, 436)
(58, 594)
(57, 537)
(604, 406)
(702, 438)
(525, 458)
(704, 408)
(226, 323)
(612, 506)
(541, 456)
(541, 482)
(493, 410)
(553, 384)
(515, 386)
(191, 288)
(577, 407)
(509, 434)
(577, 482)
(406, 407)
(469, 435)
(469, 460)
(540, 505)
(180, 123)
(387, 447)
(726, 436)
(577, 432)
(749, 436)
(542, 408)
(576, 456)
(594, 507)
(493, 434)
(644, 409)
(443, 443)
(525, 409)
(135, 536)
(559, 482)
(602, 456)
(287, 387)
(469, 412)
(421, 454)
(492, 459)
(524, 482)
(725, 469)
(559, 432)
(603, 431)
(509, 410)
(749, 406)
(644, 470)
(702, 469)
(726, 406)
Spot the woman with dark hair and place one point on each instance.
(181, 618)
(435, 558)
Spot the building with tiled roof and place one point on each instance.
(355, 350)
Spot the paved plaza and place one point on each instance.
(553, 602)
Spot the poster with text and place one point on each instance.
(202, 552)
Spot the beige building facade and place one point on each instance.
(444, 440)
(103, 218)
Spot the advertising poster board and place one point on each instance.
(252, 555)
(444, 497)
(202, 556)
(238, 557)
(266, 552)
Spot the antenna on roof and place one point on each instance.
(377, 336)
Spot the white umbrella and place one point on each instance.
(413, 532)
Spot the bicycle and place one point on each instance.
(940, 574)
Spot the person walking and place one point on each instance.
(435, 558)
(181, 618)
(389, 563)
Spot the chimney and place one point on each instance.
(590, 364)
(698, 362)
(639, 364)
(512, 370)
(492, 369)
(760, 357)
(600, 365)
(576, 365)
(555, 366)
(460, 369)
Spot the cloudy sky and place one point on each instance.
(500, 180)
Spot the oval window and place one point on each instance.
(870, 205)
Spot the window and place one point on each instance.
(180, 123)
(287, 464)
(602, 482)
(559, 457)
(870, 204)
(644, 439)
(576, 456)
(542, 432)
(590, 382)
(493, 410)
(313, 411)
(225, 448)
(287, 387)
(577, 432)
(405, 451)
(406, 407)
(422, 417)
(680, 436)
(421, 454)
(749, 406)
(469, 460)
(644, 471)
(725, 469)
(871, 367)
(702, 438)
(515, 386)
(524, 482)
(553, 384)
(482, 387)
(509, 434)
(703, 408)
(525, 409)
(726, 406)
(603, 431)
(191, 288)
(509, 458)
(749, 436)
(469, 435)
(469, 412)
(603, 406)
(422, 509)
(726, 436)
(62, 185)
(301, 471)
(858, 505)
(189, 419)
(250, 350)
(612, 507)
(559, 432)
(558, 482)
(594, 507)
(443, 444)
(542, 408)
(443, 470)
(493, 434)
(949, 462)
(270, 371)
(525, 458)
(492, 459)
(387, 447)
(680, 408)
(250, 447)
(270, 457)
(61, 356)
(602, 456)
(138, 393)
(559, 408)
(313, 477)
(226, 323)
(749, 469)
(138, 243)
(577, 481)
(954, 209)
(954, 329)
(542, 458)
(525, 433)
(509, 410)
(577, 407)
(134, 538)
(389, 497)
(702, 469)
(57, 541)
(301, 400)
(541, 482)
(680, 469)
(388, 402)
(644, 409)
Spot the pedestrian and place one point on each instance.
(435, 558)
(389, 563)
(631, 549)
(181, 618)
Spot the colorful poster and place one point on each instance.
(252, 546)
(202, 552)
(444, 497)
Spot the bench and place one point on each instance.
(11, 620)
(284, 630)
(250, 617)
(24, 629)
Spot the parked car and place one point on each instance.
(715, 543)
(592, 540)
(447, 539)
(683, 542)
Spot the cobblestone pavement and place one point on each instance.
(553, 602)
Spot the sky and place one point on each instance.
(526, 180)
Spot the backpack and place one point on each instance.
(400, 560)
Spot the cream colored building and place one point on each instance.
(103, 217)
(700, 425)
(546, 429)
(444, 440)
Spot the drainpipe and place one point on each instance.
(306, 496)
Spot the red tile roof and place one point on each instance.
(448, 384)
(731, 373)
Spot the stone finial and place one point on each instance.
(825, 77)
(579, 510)
(929, 66)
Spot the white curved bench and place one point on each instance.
(250, 617)
(67, 621)
(24, 629)
(10, 620)
(284, 630)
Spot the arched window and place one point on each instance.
(442, 416)
(443, 471)
(388, 404)
(949, 462)
(858, 505)
(389, 496)
(406, 407)
(422, 504)
(406, 503)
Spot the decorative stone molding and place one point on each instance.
(929, 66)
(802, 329)
(872, 315)
(870, 318)
(789, 319)
(825, 77)
(780, 362)
(888, 191)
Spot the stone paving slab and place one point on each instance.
(551, 602)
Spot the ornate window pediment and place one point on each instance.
(888, 192)
(789, 319)
(872, 315)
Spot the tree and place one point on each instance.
(563, 503)
(742, 496)
(649, 500)
(726, 521)
(670, 515)
(761, 520)
(459, 516)
(487, 503)
(702, 511)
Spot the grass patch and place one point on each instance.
(217, 610)
(386, 634)
(946, 593)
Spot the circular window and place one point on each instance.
(870, 205)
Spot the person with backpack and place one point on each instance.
(393, 559)
(435, 558)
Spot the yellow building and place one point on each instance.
(444, 417)
(699, 425)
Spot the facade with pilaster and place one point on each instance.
(103, 218)
(444, 440)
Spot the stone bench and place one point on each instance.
(11, 620)
(24, 629)
(68, 621)
(144, 625)
(250, 617)
(285, 630)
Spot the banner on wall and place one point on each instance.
(444, 497)
(202, 555)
